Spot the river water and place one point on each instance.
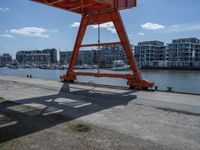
(181, 81)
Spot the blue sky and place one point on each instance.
(25, 25)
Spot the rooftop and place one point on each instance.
(186, 40)
(151, 43)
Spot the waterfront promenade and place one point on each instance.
(121, 118)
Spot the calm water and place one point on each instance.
(181, 81)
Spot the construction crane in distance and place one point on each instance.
(97, 12)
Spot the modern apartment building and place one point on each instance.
(37, 56)
(107, 55)
(63, 57)
(184, 52)
(84, 57)
(53, 54)
(21, 55)
(5, 59)
(150, 53)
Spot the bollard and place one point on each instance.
(30, 76)
(156, 88)
(169, 89)
(27, 76)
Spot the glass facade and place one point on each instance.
(150, 53)
(24, 56)
(184, 53)
(108, 54)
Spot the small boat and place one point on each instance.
(45, 67)
(63, 67)
(84, 66)
(119, 65)
(27, 66)
(13, 67)
(121, 68)
(1, 65)
(94, 67)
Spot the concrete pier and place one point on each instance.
(168, 120)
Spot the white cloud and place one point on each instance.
(112, 30)
(180, 28)
(75, 24)
(141, 34)
(7, 35)
(108, 26)
(188, 27)
(152, 26)
(183, 28)
(31, 31)
(4, 9)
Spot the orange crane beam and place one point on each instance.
(89, 6)
(101, 44)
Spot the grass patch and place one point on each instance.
(2, 100)
(27, 107)
(13, 144)
(80, 127)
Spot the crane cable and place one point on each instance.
(99, 34)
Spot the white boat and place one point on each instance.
(84, 66)
(45, 67)
(94, 67)
(119, 65)
(63, 67)
(1, 65)
(13, 67)
(121, 68)
(27, 66)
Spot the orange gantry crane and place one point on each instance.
(96, 12)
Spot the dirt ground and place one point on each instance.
(62, 137)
